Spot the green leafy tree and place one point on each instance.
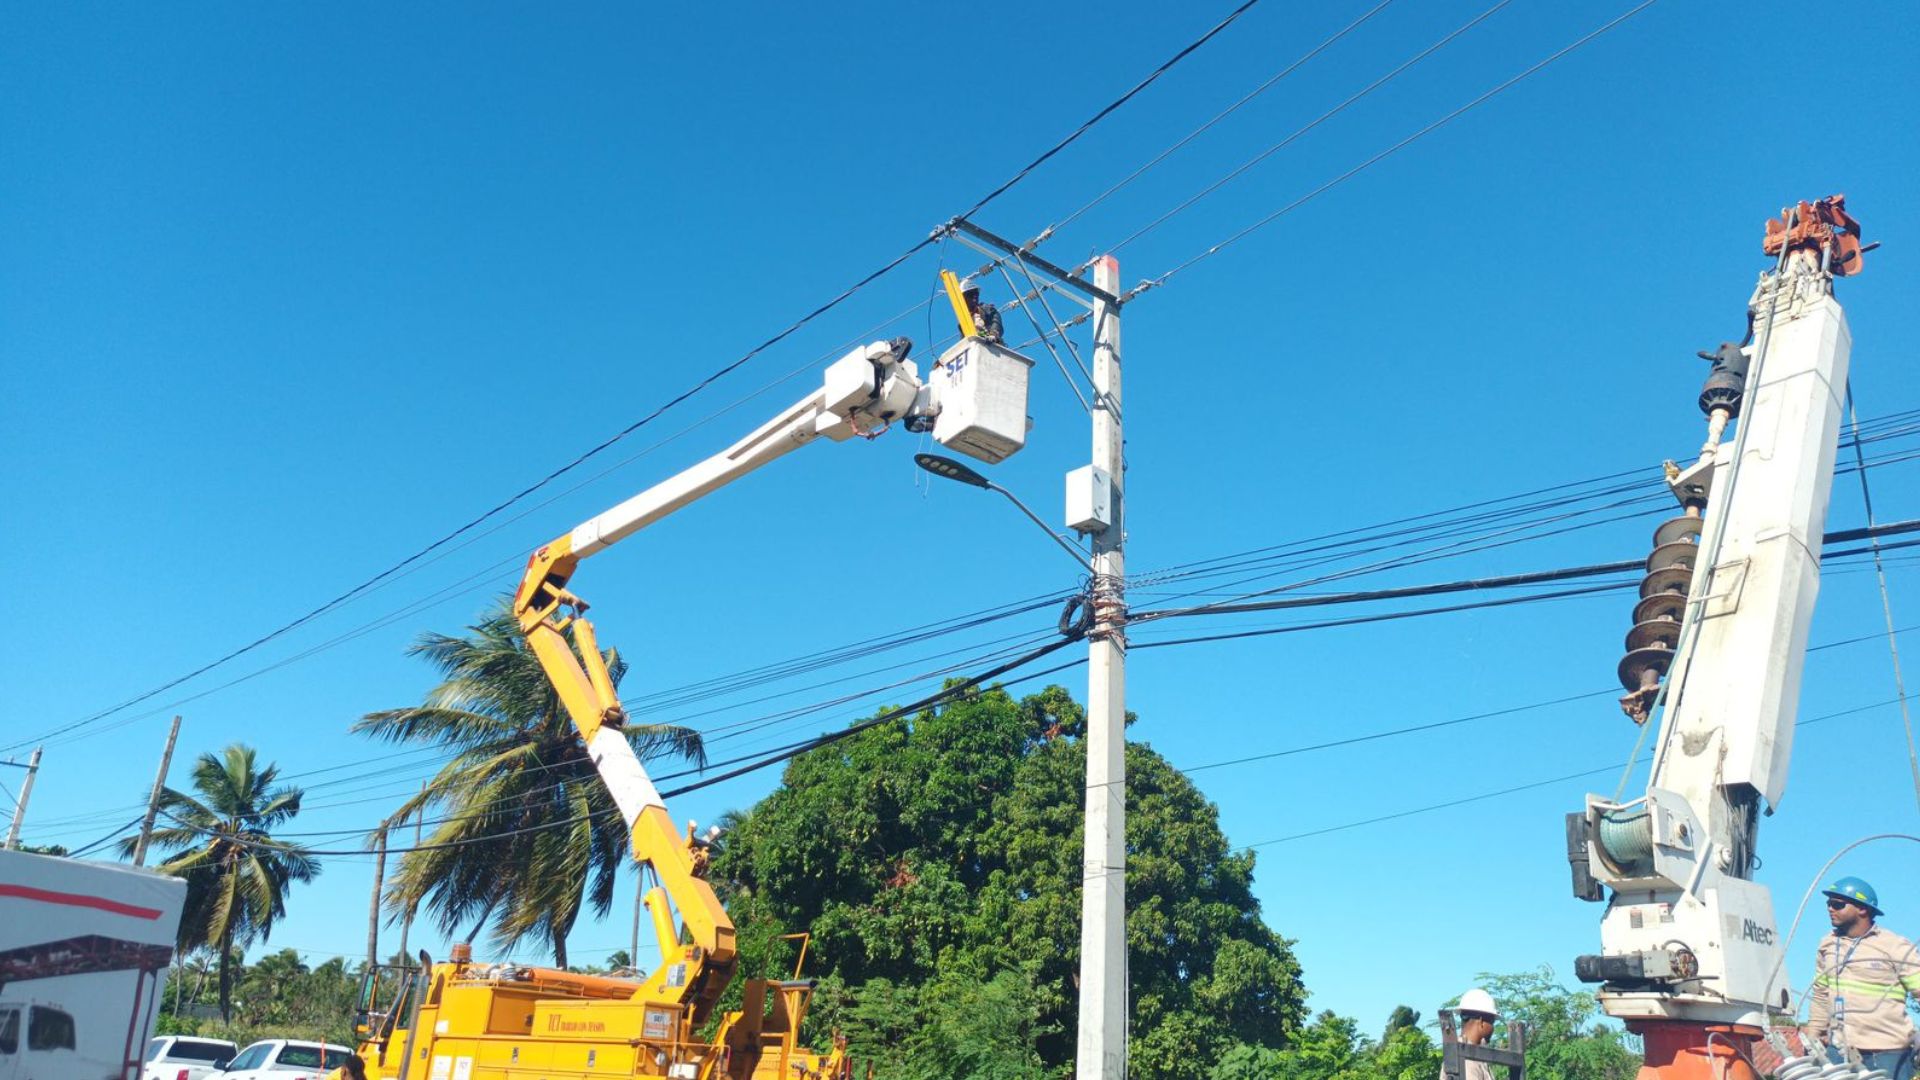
(1400, 1018)
(1407, 1053)
(278, 996)
(1332, 1048)
(941, 855)
(1567, 1038)
(528, 835)
(956, 1024)
(237, 874)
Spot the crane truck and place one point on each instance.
(1691, 955)
(459, 1020)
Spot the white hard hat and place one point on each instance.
(1477, 1000)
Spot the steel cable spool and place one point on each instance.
(1626, 837)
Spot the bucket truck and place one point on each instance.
(461, 1020)
(1690, 950)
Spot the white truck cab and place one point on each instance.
(37, 1042)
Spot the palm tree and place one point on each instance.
(527, 833)
(237, 873)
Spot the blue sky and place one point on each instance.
(291, 294)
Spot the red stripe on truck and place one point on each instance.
(98, 903)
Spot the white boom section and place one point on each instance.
(625, 778)
(862, 392)
(1679, 859)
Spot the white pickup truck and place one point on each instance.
(184, 1057)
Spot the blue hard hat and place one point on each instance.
(1856, 891)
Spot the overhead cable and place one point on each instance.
(1483, 796)
(1314, 123)
(1886, 602)
(1324, 45)
(1391, 150)
(696, 388)
(1152, 76)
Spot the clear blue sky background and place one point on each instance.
(290, 293)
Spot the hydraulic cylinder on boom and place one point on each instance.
(1690, 951)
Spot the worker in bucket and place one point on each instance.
(986, 317)
(1863, 975)
(1477, 1013)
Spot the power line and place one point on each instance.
(752, 765)
(1222, 115)
(1383, 80)
(1408, 592)
(104, 840)
(1886, 602)
(1110, 107)
(1889, 426)
(1485, 795)
(1389, 151)
(696, 388)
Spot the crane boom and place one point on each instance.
(861, 393)
(1690, 950)
(505, 1020)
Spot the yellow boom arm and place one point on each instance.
(861, 393)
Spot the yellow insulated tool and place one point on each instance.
(961, 312)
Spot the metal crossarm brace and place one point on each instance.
(1013, 250)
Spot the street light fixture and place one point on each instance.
(948, 469)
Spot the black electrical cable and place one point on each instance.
(1110, 107)
(1507, 601)
(697, 387)
(1483, 796)
(107, 839)
(1539, 577)
(945, 694)
(1391, 150)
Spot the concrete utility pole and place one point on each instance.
(379, 884)
(406, 925)
(153, 800)
(1102, 1053)
(20, 808)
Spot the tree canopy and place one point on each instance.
(529, 837)
(237, 874)
(936, 861)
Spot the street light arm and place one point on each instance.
(1051, 535)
